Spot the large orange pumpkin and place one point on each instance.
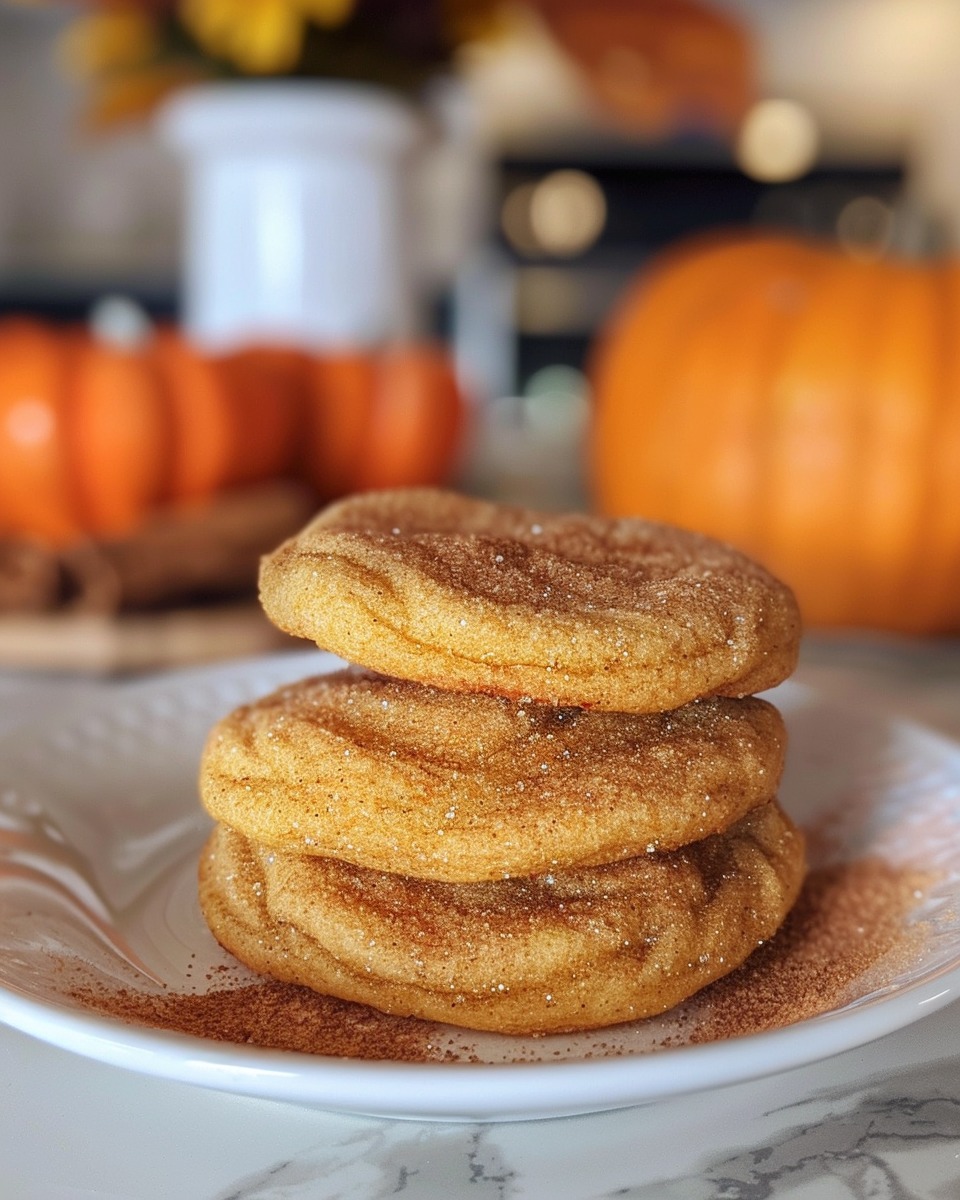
(802, 404)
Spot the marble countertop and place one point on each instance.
(881, 1122)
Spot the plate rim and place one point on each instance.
(469, 1091)
(472, 1091)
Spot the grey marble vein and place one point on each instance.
(413, 1162)
(894, 1138)
(870, 1152)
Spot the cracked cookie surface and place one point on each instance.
(567, 950)
(399, 776)
(624, 615)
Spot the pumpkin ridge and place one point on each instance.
(120, 437)
(866, 303)
(899, 380)
(790, 281)
(69, 356)
(36, 498)
(934, 565)
(833, 368)
(632, 472)
(798, 276)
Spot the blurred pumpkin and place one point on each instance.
(386, 418)
(659, 66)
(803, 404)
(36, 490)
(264, 390)
(120, 436)
(95, 433)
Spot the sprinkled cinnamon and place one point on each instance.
(849, 922)
(848, 931)
(274, 1016)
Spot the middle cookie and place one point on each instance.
(401, 777)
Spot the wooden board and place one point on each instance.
(101, 644)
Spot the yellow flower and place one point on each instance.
(262, 37)
(472, 20)
(326, 12)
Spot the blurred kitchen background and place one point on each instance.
(549, 158)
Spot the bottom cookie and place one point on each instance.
(545, 954)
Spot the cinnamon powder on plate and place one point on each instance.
(847, 933)
(274, 1016)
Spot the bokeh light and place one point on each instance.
(561, 215)
(778, 141)
(568, 211)
(865, 227)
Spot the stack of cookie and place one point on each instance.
(543, 799)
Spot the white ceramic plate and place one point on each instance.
(100, 830)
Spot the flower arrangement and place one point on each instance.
(659, 65)
(132, 53)
(652, 64)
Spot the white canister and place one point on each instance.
(297, 223)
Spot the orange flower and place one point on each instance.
(123, 52)
(116, 39)
(133, 52)
(130, 95)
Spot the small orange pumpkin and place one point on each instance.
(36, 493)
(120, 434)
(235, 416)
(802, 404)
(386, 418)
(83, 433)
(94, 435)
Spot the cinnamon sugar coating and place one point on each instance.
(624, 615)
(569, 950)
(399, 776)
(543, 799)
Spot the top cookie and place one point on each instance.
(624, 615)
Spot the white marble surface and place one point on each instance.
(878, 1123)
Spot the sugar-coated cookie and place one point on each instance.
(400, 776)
(557, 952)
(624, 615)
